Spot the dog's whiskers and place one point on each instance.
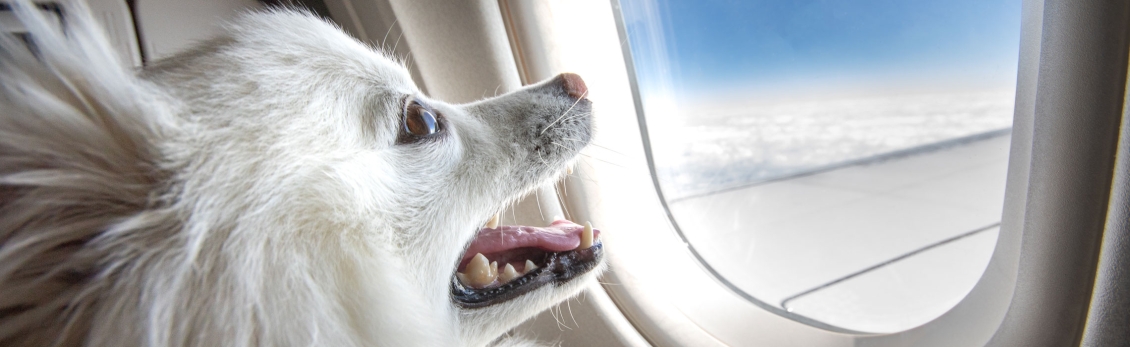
(397, 43)
(542, 160)
(565, 113)
(385, 38)
(661, 179)
(575, 115)
(561, 314)
(594, 144)
(537, 198)
(408, 65)
(553, 312)
(559, 145)
(604, 161)
(566, 119)
(569, 305)
(565, 188)
(564, 207)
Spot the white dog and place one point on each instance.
(280, 185)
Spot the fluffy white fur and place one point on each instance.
(252, 191)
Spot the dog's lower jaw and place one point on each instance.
(485, 325)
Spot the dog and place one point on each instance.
(281, 184)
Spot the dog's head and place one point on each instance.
(312, 142)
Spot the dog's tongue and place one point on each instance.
(560, 236)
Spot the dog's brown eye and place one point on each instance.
(420, 120)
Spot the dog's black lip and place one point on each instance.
(560, 267)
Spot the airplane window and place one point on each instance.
(840, 161)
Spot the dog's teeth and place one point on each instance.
(480, 273)
(529, 267)
(508, 274)
(586, 236)
(493, 222)
(462, 278)
(569, 170)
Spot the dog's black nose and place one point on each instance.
(573, 85)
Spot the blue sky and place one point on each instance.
(711, 46)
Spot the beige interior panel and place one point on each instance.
(170, 26)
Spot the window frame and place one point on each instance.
(1036, 289)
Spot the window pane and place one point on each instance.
(842, 161)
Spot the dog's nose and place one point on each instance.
(573, 85)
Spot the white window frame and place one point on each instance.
(1036, 290)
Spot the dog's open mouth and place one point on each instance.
(504, 262)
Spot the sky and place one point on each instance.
(693, 49)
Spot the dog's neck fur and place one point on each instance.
(104, 239)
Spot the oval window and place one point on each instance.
(840, 161)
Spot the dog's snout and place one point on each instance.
(548, 122)
(573, 85)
